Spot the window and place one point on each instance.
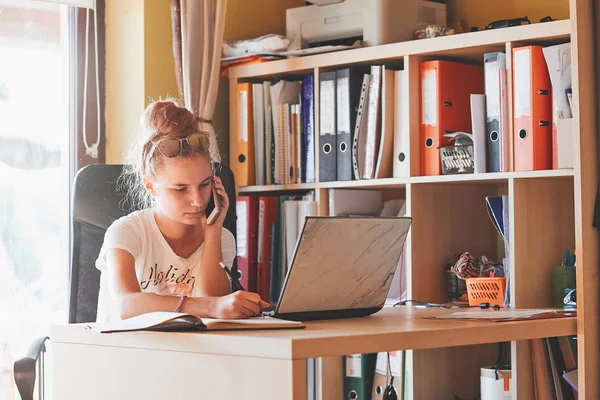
(39, 116)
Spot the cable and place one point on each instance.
(92, 150)
(390, 392)
(483, 306)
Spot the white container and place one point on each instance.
(496, 389)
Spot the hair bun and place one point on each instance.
(167, 118)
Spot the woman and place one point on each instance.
(166, 257)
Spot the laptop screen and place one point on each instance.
(343, 263)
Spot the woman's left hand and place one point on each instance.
(221, 198)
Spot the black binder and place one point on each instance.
(348, 91)
(327, 135)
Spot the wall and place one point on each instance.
(124, 74)
(140, 66)
(481, 12)
(159, 65)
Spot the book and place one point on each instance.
(181, 322)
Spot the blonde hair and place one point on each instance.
(161, 119)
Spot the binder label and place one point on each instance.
(244, 115)
(523, 88)
(343, 102)
(429, 97)
(353, 366)
(492, 91)
(327, 108)
(242, 228)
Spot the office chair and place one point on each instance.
(96, 203)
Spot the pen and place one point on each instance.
(235, 283)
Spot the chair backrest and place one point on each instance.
(96, 203)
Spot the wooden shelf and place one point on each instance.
(482, 41)
(549, 211)
(394, 183)
(491, 177)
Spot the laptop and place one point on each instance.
(342, 267)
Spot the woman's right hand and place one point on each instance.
(240, 304)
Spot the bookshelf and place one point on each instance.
(549, 210)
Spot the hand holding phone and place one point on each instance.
(217, 210)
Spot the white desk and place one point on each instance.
(253, 364)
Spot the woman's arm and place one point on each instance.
(212, 279)
(132, 301)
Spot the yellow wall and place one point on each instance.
(124, 74)
(159, 62)
(253, 18)
(140, 66)
(481, 12)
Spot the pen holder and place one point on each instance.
(563, 278)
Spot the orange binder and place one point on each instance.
(244, 161)
(446, 89)
(532, 110)
(267, 217)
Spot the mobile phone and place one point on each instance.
(217, 210)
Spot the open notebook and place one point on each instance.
(181, 322)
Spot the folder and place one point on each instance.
(244, 166)
(258, 118)
(327, 151)
(385, 146)
(562, 140)
(446, 89)
(505, 133)
(360, 129)
(558, 60)
(382, 374)
(267, 217)
(369, 142)
(532, 110)
(269, 134)
(493, 63)
(308, 133)
(247, 240)
(358, 375)
(479, 132)
(348, 87)
(355, 202)
(401, 166)
(283, 94)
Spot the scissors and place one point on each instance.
(569, 259)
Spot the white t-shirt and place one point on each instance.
(158, 269)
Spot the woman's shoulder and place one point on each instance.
(227, 235)
(137, 219)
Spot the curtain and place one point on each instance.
(197, 41)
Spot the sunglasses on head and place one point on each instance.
(172, 146)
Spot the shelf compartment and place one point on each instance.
(542, 227)
(452, 371)
(448, 219)
(547, 33)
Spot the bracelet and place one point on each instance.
(181, 299)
